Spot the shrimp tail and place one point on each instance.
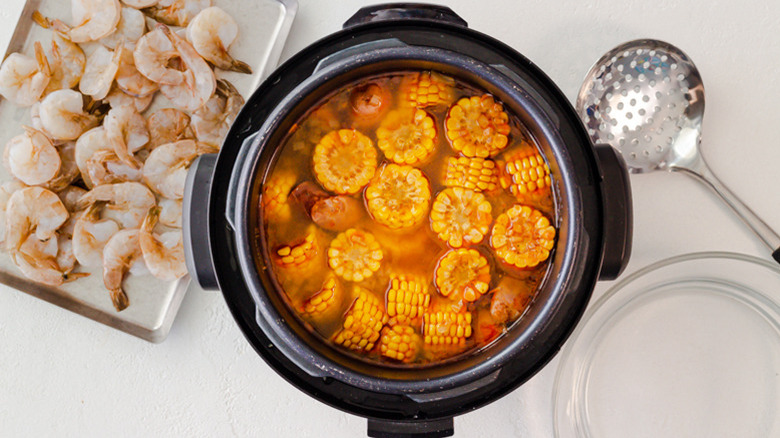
(41, 20)
(119, 299)
(73, 276)
(151, 219)
(240, 66)
(40, 56)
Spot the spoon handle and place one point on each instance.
(701, 171)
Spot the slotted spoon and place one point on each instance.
(646, 99)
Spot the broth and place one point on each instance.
(408, 218)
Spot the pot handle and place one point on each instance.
(618, 214)
(405, 11)
(195, 222)
(411, 429)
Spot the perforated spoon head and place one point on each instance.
(646, 99)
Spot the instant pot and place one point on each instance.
(222, 235)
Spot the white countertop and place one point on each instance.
(64, 375)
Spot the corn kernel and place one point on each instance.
(446, 328)
(477, 126)
(460, 216)
(354, 255)
(297, 254)
(525, 174)
(363, 322)
(324, 299)
(478, 174)
(462, 274)
(274, 197)
(522, 237)
(344, 161)
(407, 298)
(398, 196)
(399, 342)
(407, 136)
(428, 89)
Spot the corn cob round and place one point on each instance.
(460, 216)
(323, 299)
(398, 196)
(522, 237)
(407, 136)
(274, 197)
(344, 161)
(354, 255)
(462, 274)
(446, 328)
(524, 173)
(407, 298)
(362, 323)
(428, 89)
(399, 342)
(477, 126)
(297, 254)
(478, 174)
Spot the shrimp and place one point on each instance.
(211, 32)
(63, 117)
(170, 212)
(126, 202)
(44, 261)
(24, 79)
(104, 167)
(126, 131)
(168, 125)
(70, 196)
(31, 157)
(32, 210)
(94, 19)
(153, 55)
(69, 171)
(198, 82)
(212, 121)
(117, 98)
(99, 73)
(177, 12)
(140, 4)
(90, 235)
(86, 146)
(8, 189)
(163, 253)
(128, 79)
(130, 28)
(67, 62)
(165, 170)
(119, 254)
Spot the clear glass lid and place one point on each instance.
(687, 347)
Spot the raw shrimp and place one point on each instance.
(70, 196)
(90, 235)
(39, 260)
(165, 170)
(140, 4)
(104, 167)
(117, 98)
(31, 157)
(212, 121)
(126, 202)
(93, 20)
(86, 146)
(198, 82)
(23, 79)
(170, 212)
(168, 125)
(177, 12)
(32, 210)
(163, 253)
(211, 32)
(129, 79)
(63, 117)
(131, 27)
(127, 133)
(67, 62)
(8, 189)
(153, 55)
(99, 73)
(119, 254)
(69, 171)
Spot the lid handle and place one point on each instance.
(618, 215)
(405, 11)
(195, 222)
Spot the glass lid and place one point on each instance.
(686, 347)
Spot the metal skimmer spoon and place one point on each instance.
(646, 99)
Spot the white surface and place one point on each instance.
(63, 375)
